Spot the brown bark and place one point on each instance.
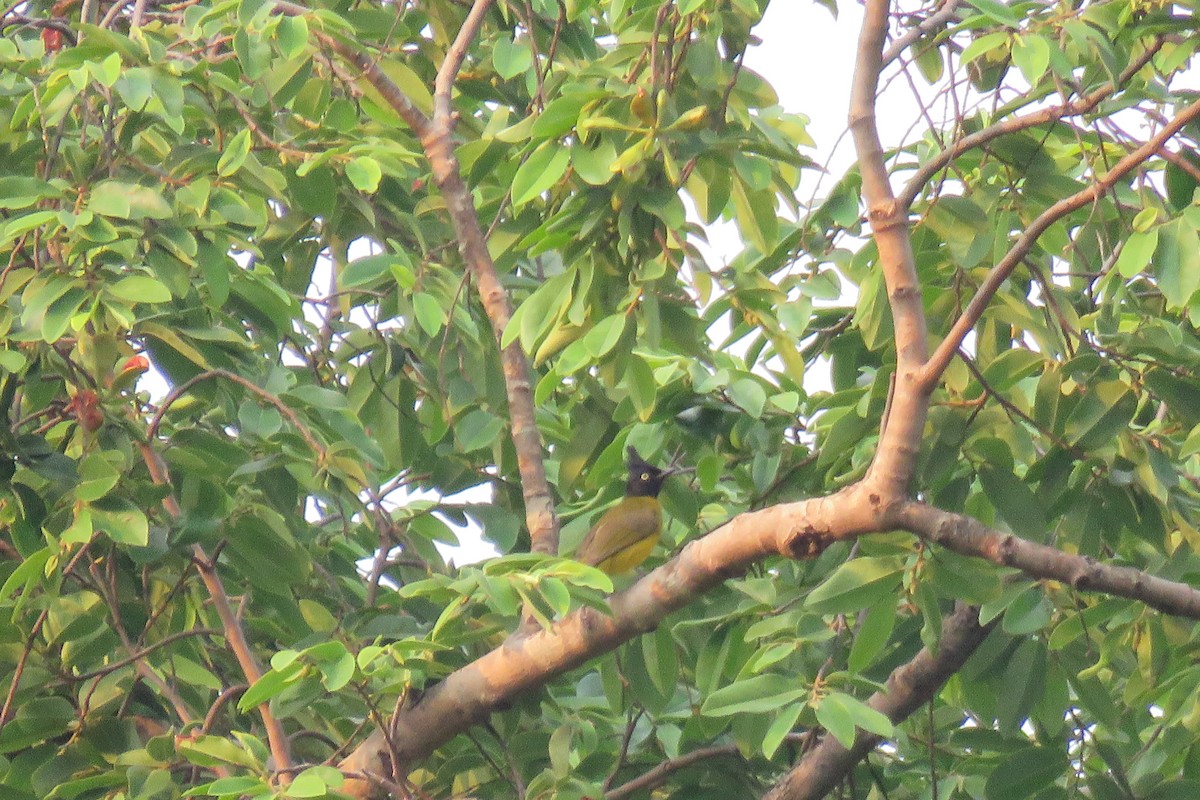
(892, 468)
(968, 536)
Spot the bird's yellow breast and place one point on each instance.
(623, 537)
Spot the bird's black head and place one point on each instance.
(645, 479)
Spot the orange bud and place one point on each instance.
(52, 38)
(139, 363)
(86, 407)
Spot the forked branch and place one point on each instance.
(932, 371)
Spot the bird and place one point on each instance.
(625, 535)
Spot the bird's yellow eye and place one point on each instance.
(645, 476)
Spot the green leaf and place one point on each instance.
(872, 636)
(1012, 366)
(365, 173)
(662, 662)
(783, 724)
(269, 685)
(539, 172)
(511, 58)
(1101, 415)
(235, 153)
(318, 397)
(1031, 54)
(1136, 252)
(478, 429)
(21, 192)
(1024, 773)
(639, 378)
(235, 785)
(121, 520)
(856, 584)
(140, 289)
(1181, 182)
(1016, 503)
(841, 714)
(752, 696)
(337, 672)
(367, 270)
(111, 199)
(997, 12)
(27, 574)
(128, 201)
(592, 162)
(17, 226)
(982, 45)
(750, 395)
(97, 477)
(292, 35)
(604, 336)
(835, 717)
(429, 313)
(135, 87)
(315, 782)
(210, 751)
(1028, 613)
(1177, 263)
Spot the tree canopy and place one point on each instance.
(280, 283)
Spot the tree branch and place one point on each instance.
(138, 655)
(250, 386)
(892, 468)
(526, 661)
(969, 537)
(233, 633)
(937, 364)
(368, 66)
(658, 775)
(448, 72)
(436, 137)
(910, 686)
(923, 28)
(1075, 108)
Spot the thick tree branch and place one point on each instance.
(540, 516)
(901, 439)
(527, 661)
(1082, 105)
(969, 537)
(909, 687)
(1000, 272)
